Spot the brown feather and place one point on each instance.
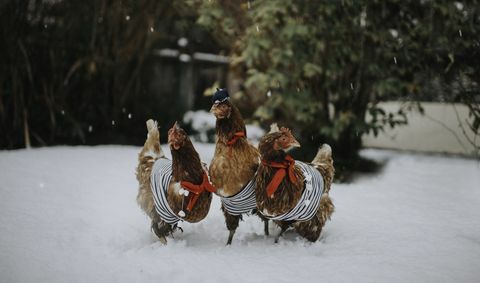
(186, 166)
(150, 152)
(232, 167)
(288, 194)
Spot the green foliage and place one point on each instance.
(327, 64)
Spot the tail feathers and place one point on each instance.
(324, 163)
(152, 144)
(326, 208)
(324, 155)
(151, 125)
(274, 128)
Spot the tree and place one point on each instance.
(72, 71)
(321, 66)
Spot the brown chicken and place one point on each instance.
(234, 163)
(172, 191)
(293, 193)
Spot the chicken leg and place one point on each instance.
(232, 223)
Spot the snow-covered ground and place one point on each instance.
(68, 214)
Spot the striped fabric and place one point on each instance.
(242, 202)
(159, 181)
(309, 202)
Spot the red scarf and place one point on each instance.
(234, 140)
(287, 164)
(196, 190)
(235, 137)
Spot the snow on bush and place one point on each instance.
(254, 132)
(203, 123)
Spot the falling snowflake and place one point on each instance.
(127, 18)
(151, 29)
(458, 5)
(460, 32)
(185, 58)
(395, 60)
(129, 115)
(351, 86)
(363, 18)
(394, 33)
(269, 93)
(90, 128)
(113, 122)
(182, 42)
(258, 29)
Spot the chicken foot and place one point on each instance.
(232, 224)
(265, 222)
(162, 230)
(284, 225)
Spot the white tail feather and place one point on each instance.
(151, 125)
(274, 128)
(152, 146)
(324, 154)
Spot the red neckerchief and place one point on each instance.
(196, 190)
(234, 140)
(287, 164)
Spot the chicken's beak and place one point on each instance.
(292, 144)
(216, 111)
(295, 143)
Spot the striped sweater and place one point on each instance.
(309, 202)
(159, 182)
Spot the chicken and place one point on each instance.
(234, 163)
(172, 191)
(290, 192)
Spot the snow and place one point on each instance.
(254, 132)
(201, 120)
(68, 214)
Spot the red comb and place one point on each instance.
(286, 131)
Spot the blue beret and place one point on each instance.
(221, 95)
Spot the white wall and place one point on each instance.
(438, 130)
